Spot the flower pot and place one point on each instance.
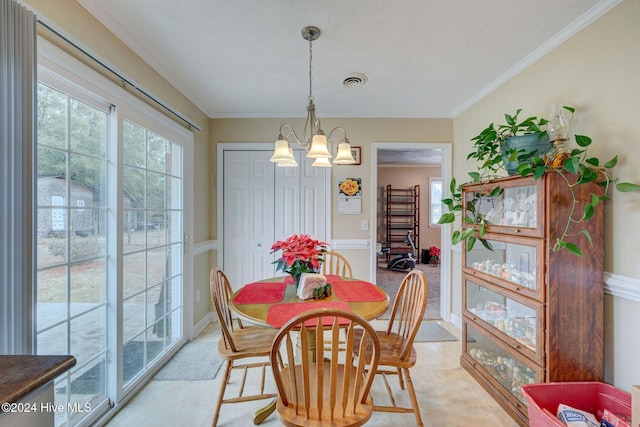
(524, 144)
(296, 279)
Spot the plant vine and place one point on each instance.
(575, 163)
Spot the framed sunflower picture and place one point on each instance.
(350, 187)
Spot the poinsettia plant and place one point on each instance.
(300, 254)
(434, 252)
(434, 255)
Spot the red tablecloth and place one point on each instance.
(357, 290)
(279, 314)
(260, 293)
(331, 278)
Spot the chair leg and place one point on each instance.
(400, 379)
(223, 386)
(412, 396)
(263, 413)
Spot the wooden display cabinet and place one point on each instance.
(531, 314)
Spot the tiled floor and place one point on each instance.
(447, 396)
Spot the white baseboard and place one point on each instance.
(456, 321)
(203, 323)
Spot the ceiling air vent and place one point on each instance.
(354, 80)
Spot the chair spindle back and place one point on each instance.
(336, 263)
(408, 309)
(324, 386)
(221, 293)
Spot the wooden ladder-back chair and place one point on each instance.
(335, 263)
(396, 343)
(324, 388)
(238, 342)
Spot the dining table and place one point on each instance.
(274, 301)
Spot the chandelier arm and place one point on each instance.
(338, 128)
(295, 135)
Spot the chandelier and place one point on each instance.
(313, 139)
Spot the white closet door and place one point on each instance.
(248, 216)
(300, 199)
(262, 204)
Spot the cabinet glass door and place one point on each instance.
(503, 368)
(513, 209)
(512, 315)
(513, 261)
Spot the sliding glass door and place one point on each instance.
(110, 233)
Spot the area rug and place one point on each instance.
(433, 332)
(195, 361)
(390, 281)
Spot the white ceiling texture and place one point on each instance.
(421, 58)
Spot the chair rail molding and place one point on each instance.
(350, 244)
(204, 246)
(622, 287)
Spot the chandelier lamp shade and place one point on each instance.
(314, 141)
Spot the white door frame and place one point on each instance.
(250, 146)
(445, 240)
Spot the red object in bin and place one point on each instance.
(590, 396)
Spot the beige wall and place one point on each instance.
(361, 132)
(405, 177)
(74, 21)
(597, 72)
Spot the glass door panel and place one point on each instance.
(511, 209)
(500, 365)
(514, 261)
(517, 318)
(152, 248)
(71, 244)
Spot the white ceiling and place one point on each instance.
(423, 58)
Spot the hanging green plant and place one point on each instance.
(575, 166)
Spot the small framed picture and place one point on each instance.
(355, 152)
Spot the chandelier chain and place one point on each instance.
(310, 69)
(314, 140)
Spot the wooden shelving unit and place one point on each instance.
(403, 214)
(530, 314)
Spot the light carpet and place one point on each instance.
(195, 361)
(390, 282)
(433, 332)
